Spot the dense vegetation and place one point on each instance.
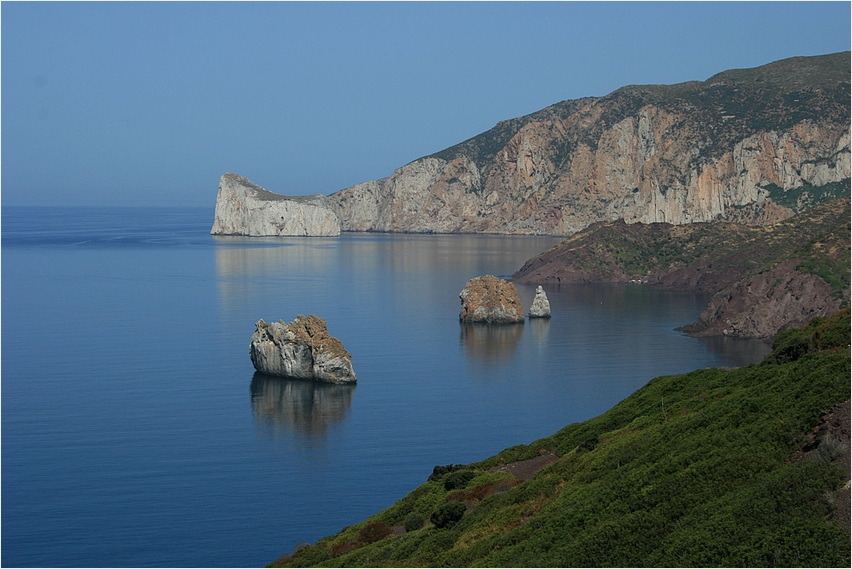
(691, 470)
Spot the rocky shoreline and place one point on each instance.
(764, 279)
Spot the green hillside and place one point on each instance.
(701, 469)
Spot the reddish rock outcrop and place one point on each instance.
(490, 300)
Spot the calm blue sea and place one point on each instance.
(135, 432)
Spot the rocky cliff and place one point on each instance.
(748, 145)
(243, 208)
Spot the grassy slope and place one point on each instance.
(690, 470)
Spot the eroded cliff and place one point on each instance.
(244, 208)
(751, 145)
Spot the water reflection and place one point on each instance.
(737, 352)
(490, 341)
(540, 328)
(269, 256)
(301, 406)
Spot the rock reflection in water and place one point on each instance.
(540, 328)
(297, 405)
(490, 341)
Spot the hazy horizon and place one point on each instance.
(148, 104)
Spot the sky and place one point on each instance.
(148, 104)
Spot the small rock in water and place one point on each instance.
(492, 300)
(541, 306)
(302, 349)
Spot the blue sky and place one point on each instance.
(150, 103)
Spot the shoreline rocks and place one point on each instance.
(244, 208)
(490, 300)
(302, 349)
(540, 306)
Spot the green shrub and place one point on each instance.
(447, 515)
(819, 334)
(439, 471)
(458, 479)
(834, 333)
(413, 521)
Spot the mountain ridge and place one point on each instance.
(692, 151)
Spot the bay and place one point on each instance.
(136, 433)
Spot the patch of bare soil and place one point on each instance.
(830, 442)
(525, 469)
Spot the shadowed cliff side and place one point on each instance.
(765, 279)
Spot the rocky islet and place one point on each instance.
(302, 349)
(490, 300)
(540, 307)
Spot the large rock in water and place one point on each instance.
(302, 349)
(492, 300)
(243, 208)
(541, 306)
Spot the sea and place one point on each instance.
(136, 433)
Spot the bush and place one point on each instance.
(373, 532)
(448, 514)
(458, 479)
(439, 471)
(413, 521)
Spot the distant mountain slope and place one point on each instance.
(742, 467)
(765, 279)
(750, 145)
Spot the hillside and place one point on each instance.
(717, 467)
(748, 145)
(765, 278)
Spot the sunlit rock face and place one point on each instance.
(490, 300)
(302, 349)
(243, 208)
(752, 146)
(540, 306)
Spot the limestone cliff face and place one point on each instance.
(752, 145)
(243, 208)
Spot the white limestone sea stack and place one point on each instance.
(244, 208)
(540, 306)
(302, 349)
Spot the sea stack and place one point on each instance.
(540, 306)
(490, 300)
(302, 349)
(243, 208)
